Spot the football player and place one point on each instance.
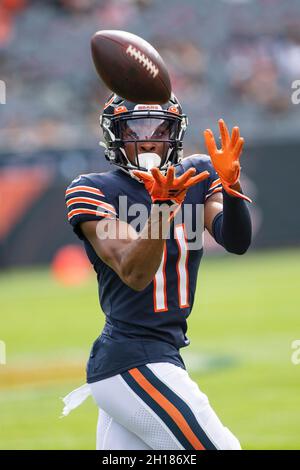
(147, 283)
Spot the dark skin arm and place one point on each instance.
(134, 257)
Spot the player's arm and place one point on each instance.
(212, 207)
(226, 215)
(228, 221)
(134, 257)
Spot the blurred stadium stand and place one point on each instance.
(234, 59)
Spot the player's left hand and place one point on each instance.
(226, 160)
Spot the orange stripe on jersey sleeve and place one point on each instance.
(85, 189)
(93, 202)
(172, 411)
(83, 211)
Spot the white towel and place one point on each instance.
(75, 398)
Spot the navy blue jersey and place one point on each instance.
(149, 325)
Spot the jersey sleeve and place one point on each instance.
(201, 162)
(86, 201)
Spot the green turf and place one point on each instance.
(245, 317)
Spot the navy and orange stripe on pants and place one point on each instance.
(170, 408)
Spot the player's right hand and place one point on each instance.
(168, 187)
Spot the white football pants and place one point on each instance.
(157, 406)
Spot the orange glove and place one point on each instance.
(226, 161)
(169, 188)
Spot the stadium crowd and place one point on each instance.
(230, 59)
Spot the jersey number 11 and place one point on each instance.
(160, 299)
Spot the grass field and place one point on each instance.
(246, 315)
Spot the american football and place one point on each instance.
(143, 73)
